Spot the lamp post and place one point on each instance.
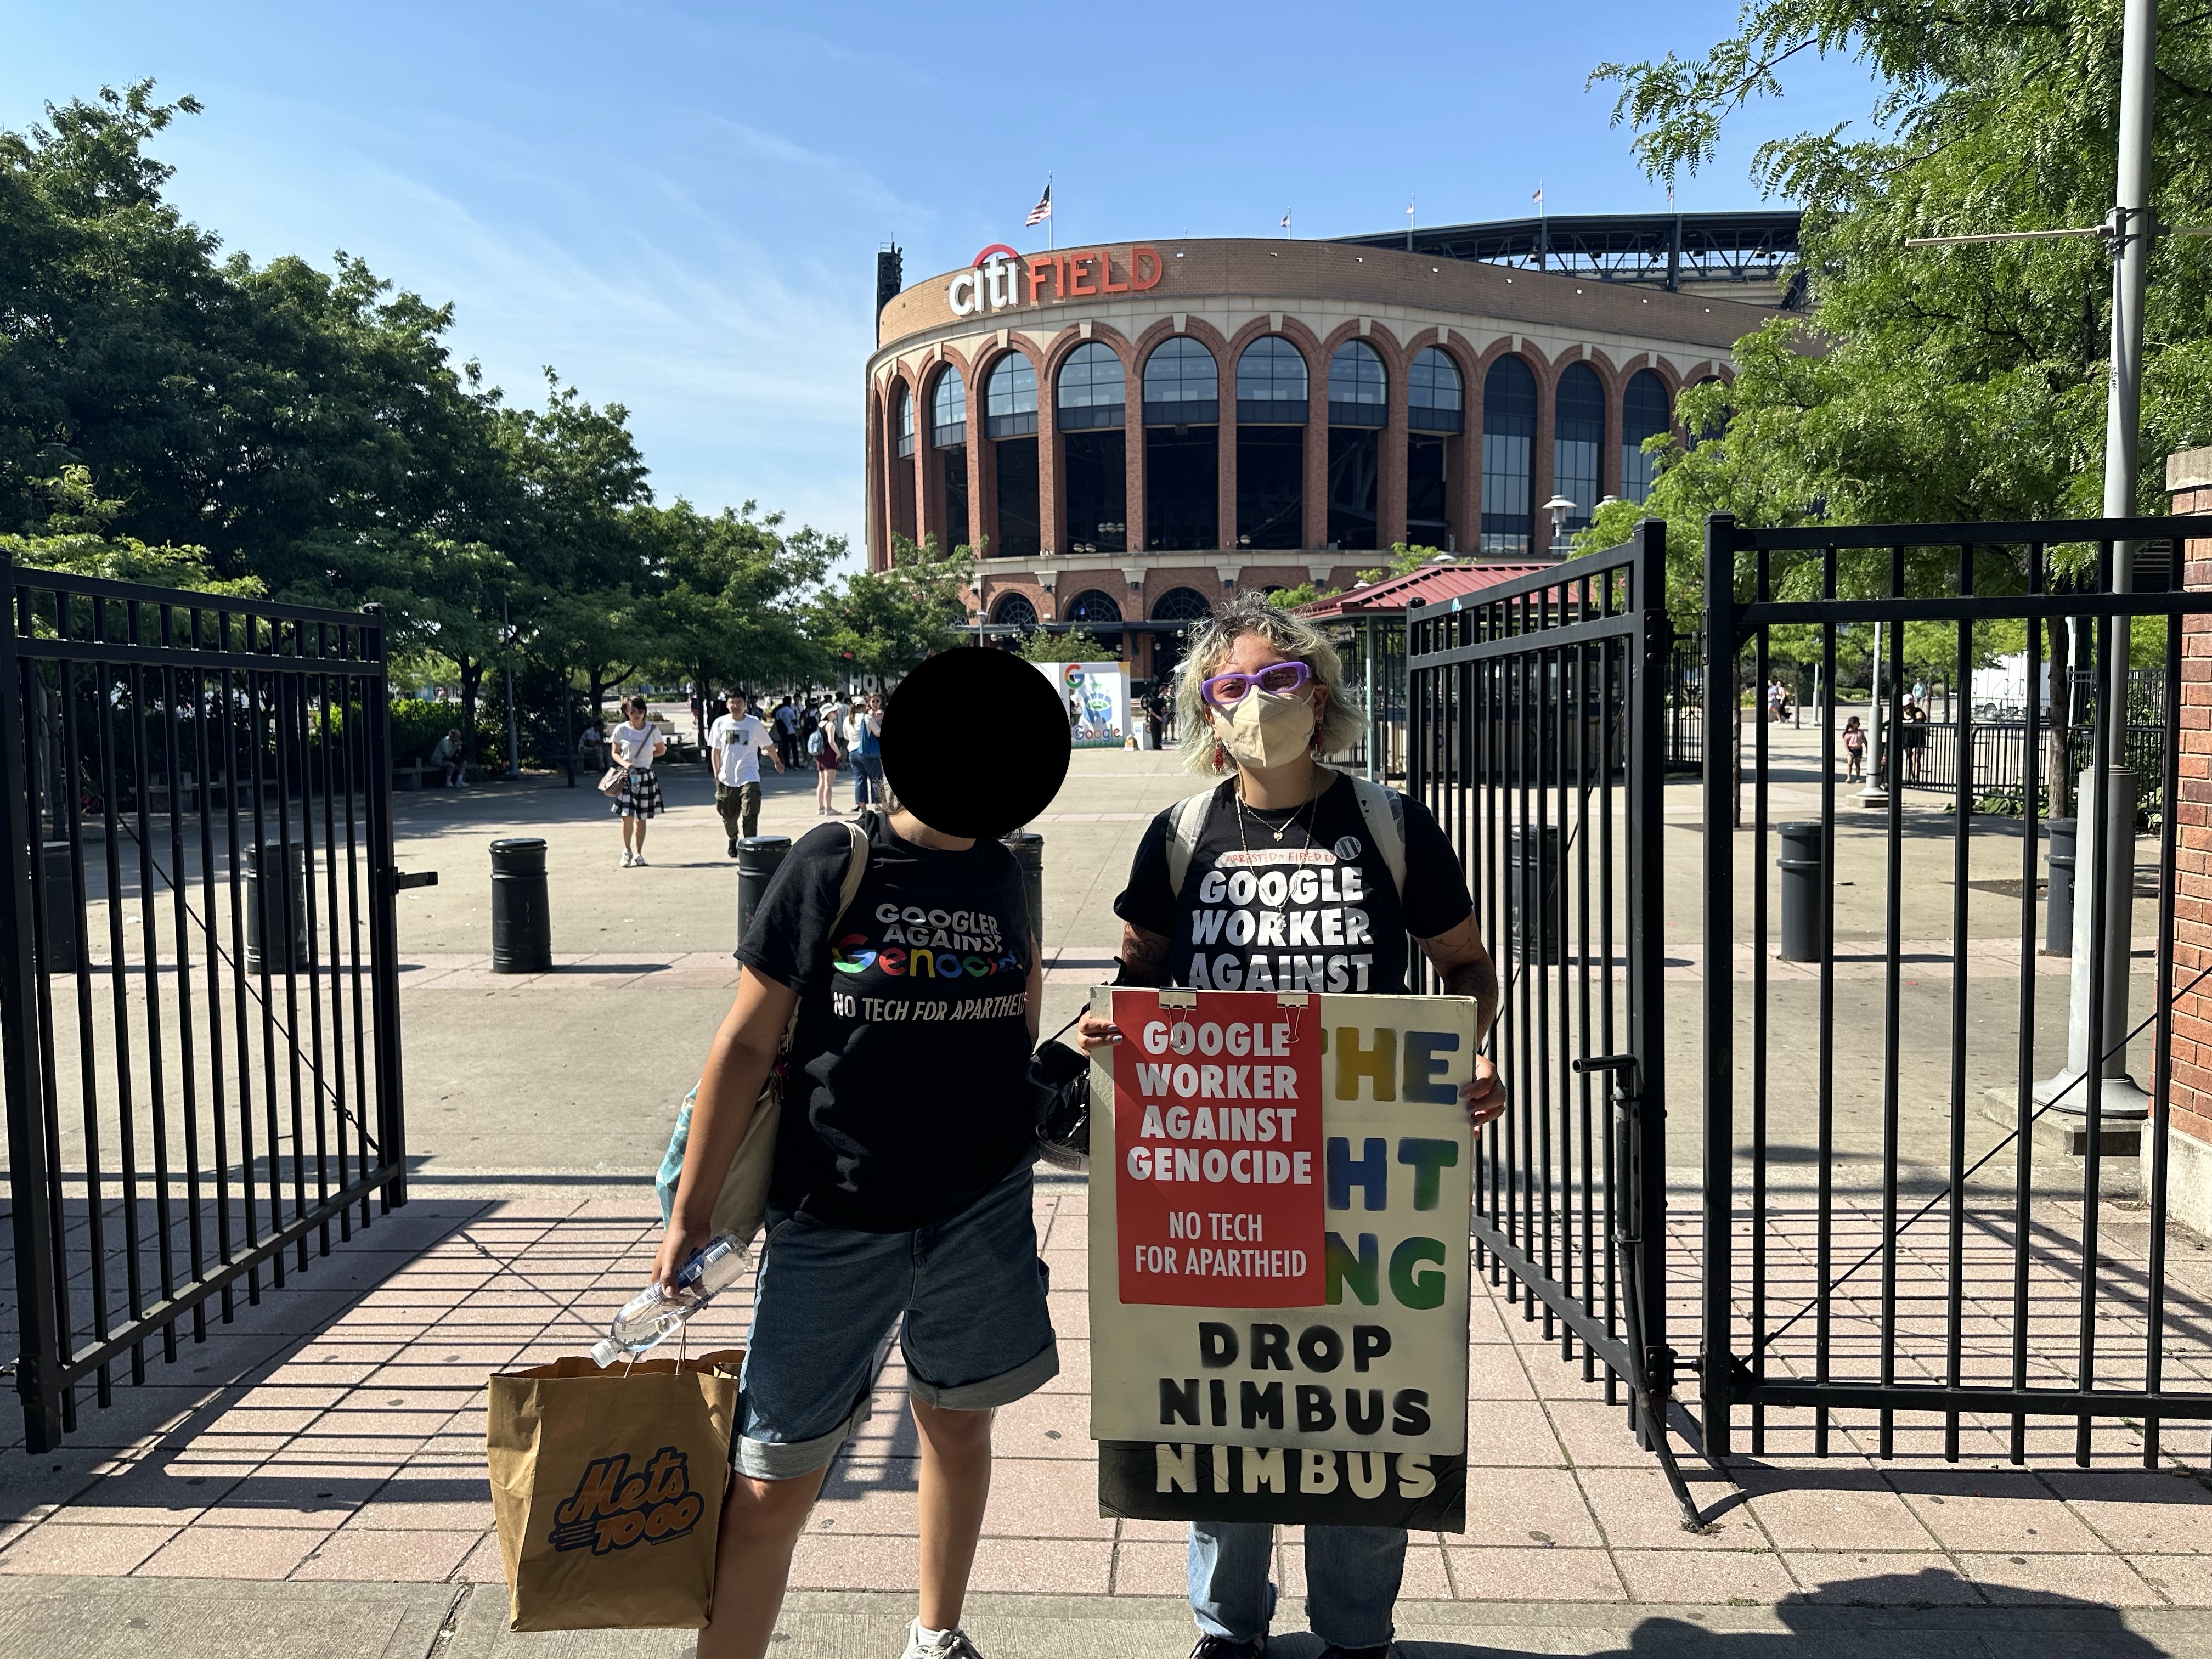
(1558, 506)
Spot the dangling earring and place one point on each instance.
(1220, 758)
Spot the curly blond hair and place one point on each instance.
(1341, 719)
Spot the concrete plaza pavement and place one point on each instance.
(310, 1480)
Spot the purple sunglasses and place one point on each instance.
(1227, 690)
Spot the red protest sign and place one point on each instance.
(1218, 1184)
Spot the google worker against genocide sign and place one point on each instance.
(1279, 1191)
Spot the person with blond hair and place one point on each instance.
(1260, 697)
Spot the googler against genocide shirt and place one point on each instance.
(907, 1098)
(1314, 911)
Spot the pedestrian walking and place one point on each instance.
(822, 750)
(1854, 751)
(1774, 700)
(786, 721)
(864, 742)
(1261, 693)
(901, 1198)
(735, 743)
(450, 755)
(637, 744)
(1913, 737)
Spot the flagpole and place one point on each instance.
(1048, 243)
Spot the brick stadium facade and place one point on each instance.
(2189, 477)
(1129, 431)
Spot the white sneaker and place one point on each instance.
(954, 1644)
(639, 861)
(628, 859)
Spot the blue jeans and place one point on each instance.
(867, 779)
(1351, 1580)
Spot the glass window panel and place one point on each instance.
(1091, 378)
(1578, 441)
(1181, 370)
(1356, 376)
(1271, 370)
(1013, 388)
(1509, 432)
(1643, 414)
(1433, 382)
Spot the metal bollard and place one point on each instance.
(1028, 849)
(521, 910)
(1801, 862)
(759, 857)
(2058, 914)
(61, 910)
(1521, 887)
(264, 907)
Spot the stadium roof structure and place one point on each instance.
(1652, 250)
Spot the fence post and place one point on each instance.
(1716, 1347)
(36, 1376)
(1647, 947)
(383, 923)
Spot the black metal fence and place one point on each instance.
(1538, 710)
(197, 962)
(1685, 706)
(1997, 780)
(1874, 1243)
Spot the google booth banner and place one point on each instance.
(1098, 698)
(1279, 1198)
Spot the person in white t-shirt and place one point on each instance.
(737, 740)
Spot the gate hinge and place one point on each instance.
(1659, 1361)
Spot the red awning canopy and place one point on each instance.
(1432, 583)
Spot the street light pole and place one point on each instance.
(2107, 807)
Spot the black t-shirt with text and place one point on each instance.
(907, 1097)
(1314, 911)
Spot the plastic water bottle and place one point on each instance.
(652, 1316)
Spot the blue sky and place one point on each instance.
(678, 206)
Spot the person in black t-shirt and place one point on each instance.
(1284, 887)
(902, 1194)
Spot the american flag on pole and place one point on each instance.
(1538, 198)
(1042, 210)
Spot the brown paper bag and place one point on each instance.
(607, 1486)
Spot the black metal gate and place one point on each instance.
(1928, 1254)
(197, 962)
(1540, 740)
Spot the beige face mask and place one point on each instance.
(1268, 729)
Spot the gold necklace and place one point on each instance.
(1306, 806)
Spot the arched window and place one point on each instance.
(1509, 436)
(948, 411)
(1271, 383)
(1014, 610)
(903, 417)
(1578, 441)
(1707, 429)
(1435, 399)
(1643, 414)
(1091, 392)
(1010, 398)
(1182, 385)
(1092, 607)
(1358, 390)
(1183, 411)
(1181, 605)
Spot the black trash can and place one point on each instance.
(61, 909)
(521, 911)
(1801, 862)
(264, 907)
(2058, 914)
(759, 857)
(1028, 849)
(1528, 871)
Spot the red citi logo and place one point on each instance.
(1001, 278)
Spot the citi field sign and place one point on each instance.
(1000, 278)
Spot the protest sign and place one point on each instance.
(1280, 1190)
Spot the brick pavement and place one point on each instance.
(335, 1434)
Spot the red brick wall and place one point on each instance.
(2193, 899)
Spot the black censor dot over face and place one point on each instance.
(975, 742)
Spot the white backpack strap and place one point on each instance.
(1185, 823)
(1385, 812)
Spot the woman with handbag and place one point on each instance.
(822, 750)
(898, 1010)
(637, 744)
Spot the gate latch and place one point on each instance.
(1627, 1075)
(401, 880)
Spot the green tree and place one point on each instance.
(77, 537)
(883, 621)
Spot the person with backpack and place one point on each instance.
(1261, 696)
(822, 750)
(891, 979)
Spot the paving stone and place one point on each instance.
(60, 1547)
(232, 1553)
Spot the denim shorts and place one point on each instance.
(968, 1293)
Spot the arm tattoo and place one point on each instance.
(1476, 978)
(1144, 958)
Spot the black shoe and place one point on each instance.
(734, 849)
(1333, 1651)
(1220, 1647)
